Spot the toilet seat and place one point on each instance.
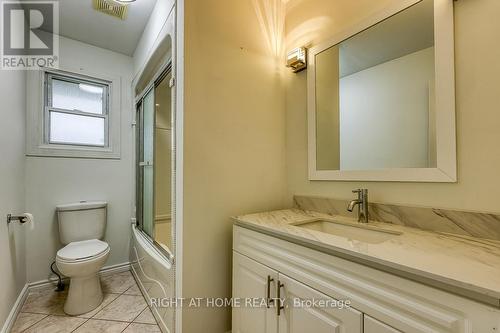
(82, 250)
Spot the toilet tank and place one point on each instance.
(83, 220)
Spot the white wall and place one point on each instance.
(51, 181)
(156, 22)
(384, 114)
(12, 244)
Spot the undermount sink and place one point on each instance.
(361, 232)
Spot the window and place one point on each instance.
(76, 111)
(73, 114)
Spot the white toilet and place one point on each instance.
(81, 226)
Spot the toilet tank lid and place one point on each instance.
(82, 205)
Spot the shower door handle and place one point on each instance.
(147, 163)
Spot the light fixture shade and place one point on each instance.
(297, 59)
(125, 1)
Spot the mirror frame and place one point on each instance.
(446, 169)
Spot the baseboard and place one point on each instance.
(16, 308)
(45, 283)
(123, 267)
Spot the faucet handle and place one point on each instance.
(362, 193)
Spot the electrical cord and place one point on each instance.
(60, 283)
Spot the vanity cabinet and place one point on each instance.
(254, 281)
(380, 302)
(372, 325)
(300, 319)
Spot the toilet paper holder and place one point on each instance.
(21, 218)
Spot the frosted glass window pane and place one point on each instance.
(77, 96)
(76, 129)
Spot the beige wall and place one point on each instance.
(478, 99)
(236, 130)
(234, 144)
(309, 22)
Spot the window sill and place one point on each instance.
(73, 152)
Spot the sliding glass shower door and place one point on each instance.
(147, 162)
(154, 160)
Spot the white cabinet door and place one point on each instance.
(253, 281)
(313, 319)
(374, 326)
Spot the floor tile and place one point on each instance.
(117, 283)
(56, 324)
(124, 308)
(134, 290)
(46, 301)
(102, 326)
(146, 317)
(42, 312)
(108, 298)
(25, 320)
(142, 328)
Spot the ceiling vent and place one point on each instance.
(111, 7)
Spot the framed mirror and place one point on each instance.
(381, 98)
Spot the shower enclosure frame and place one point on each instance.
(160, 75)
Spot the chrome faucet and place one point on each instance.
(362, 203)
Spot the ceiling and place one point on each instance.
(78, 20)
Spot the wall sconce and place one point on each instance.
(297, 59)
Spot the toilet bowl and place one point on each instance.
(81, 228)
(81, 262)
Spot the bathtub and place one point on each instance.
(155, 276)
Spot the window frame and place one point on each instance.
(37, 131)
(48, 107)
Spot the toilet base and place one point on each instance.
(84, 295)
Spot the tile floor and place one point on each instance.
(124, 309)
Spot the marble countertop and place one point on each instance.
(460, 264)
